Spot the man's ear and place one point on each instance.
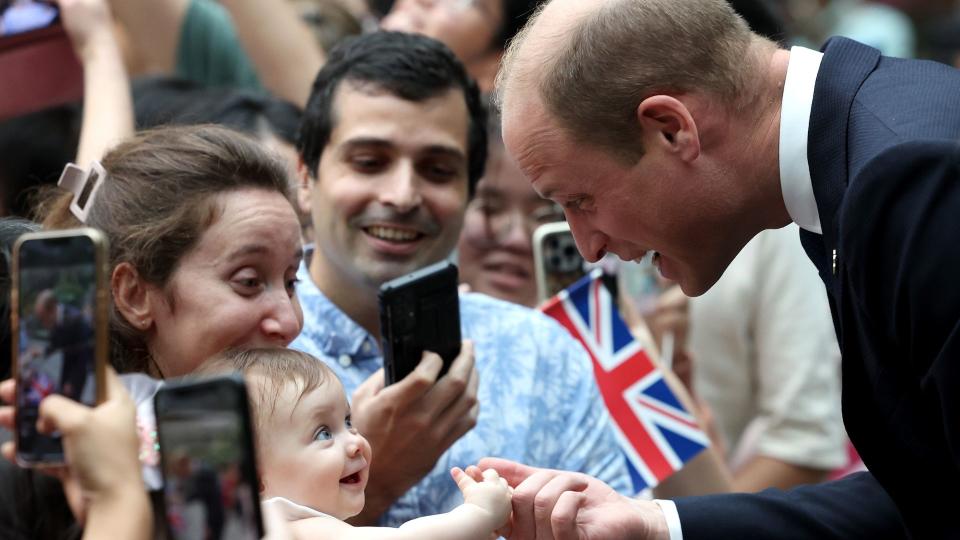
(135, 299)
(304, 188)
(668, 124)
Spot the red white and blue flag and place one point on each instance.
(657, 434)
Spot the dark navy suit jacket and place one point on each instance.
(884, 154)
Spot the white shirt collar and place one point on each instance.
(795, 180)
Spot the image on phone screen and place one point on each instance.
(18, 16)
(210, 486)
(57, 281)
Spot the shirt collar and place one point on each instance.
(795, 181)
(327, 325)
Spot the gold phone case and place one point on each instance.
(101, 317)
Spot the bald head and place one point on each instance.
(588, 65)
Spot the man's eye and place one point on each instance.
(573, 204)
(366, 163)
(323, 434)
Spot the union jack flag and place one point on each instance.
(657, 434)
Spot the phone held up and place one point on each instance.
(59, 324)
(208, 460)
(419, 312)
(557, 262)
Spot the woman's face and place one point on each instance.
(495, 252)
(234, 289)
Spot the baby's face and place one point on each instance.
(312, 455)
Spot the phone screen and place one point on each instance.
(206, 447)
(56, 338)
(18, 16)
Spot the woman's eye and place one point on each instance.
(247, 282)
(323, 434)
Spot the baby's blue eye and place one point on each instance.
(348, 422)
(323, 434)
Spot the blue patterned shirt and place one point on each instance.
(539, 403)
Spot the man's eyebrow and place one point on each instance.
(366, 141)
(385, 143)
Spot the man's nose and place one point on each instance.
(401, 189)
(591, 242)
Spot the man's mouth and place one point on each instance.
(392, 234)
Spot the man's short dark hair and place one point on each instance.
(409, 66)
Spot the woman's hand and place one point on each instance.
(89, 25)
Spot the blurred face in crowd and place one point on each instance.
(467, 27)
(391, 185)
(234, 289)
(496, 250)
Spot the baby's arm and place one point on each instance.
(486, 509)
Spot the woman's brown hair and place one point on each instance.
(158, 199)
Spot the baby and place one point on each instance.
(314, 464)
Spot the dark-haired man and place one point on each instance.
(392, 143)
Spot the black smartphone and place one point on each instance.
(59, 329)
(419, 312)
(208, 460)
(557, 262)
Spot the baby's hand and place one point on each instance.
(485, 490)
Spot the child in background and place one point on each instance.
(313, 464)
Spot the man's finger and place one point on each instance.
(513, 472)
(563, 521)
(370, 387)
(525, 500)
(547, 498)
(418, 382)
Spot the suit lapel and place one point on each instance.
(846, 64)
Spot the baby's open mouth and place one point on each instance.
(351, 479)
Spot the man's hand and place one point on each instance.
(549, 504)
(410, 424)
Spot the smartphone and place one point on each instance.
(419, 312)
(59, 329)
(38, 68)
(557, 261)
(208, 460)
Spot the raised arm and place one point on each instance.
(280, 45)
(153, 27)
(107, 105)
(485, 509)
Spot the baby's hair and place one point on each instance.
(276, 368)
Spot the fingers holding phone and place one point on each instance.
(101, 443)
